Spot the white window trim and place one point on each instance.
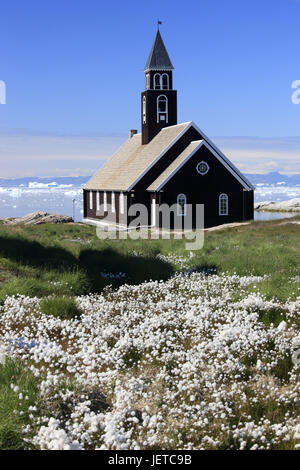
(91, 199)
(113, 204)
(122, 208)
(165, 113)
(105, 201)
(223, 197)
(144, 110)
(179, 206)
(207, 168)
(98, 200)
(154, 84)
(162, 81)
(148, 81)
(153, 213)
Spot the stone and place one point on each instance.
(292, 205)
(36, 218)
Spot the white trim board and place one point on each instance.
(210, 148)
(170, 145)
(247, 184)
(217, 153)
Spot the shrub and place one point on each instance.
(60, 307)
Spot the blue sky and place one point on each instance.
(74, 72)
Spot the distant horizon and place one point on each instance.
(28, 154)
(53, 177)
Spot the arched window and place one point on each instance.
(181, 205)
(162, 108)
(223, 204)
(122, 205)
(144, 110)
(113, 206)
(157, 81)
(147, 81)
(165, 81)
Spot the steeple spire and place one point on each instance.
(158, 58)
(159, 100)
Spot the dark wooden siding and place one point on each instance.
(206, 189)
(190, 135)
(108, 215)
(152, 127)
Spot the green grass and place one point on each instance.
(12, 372)
(58, 262)
(61, 307)
(67, 260)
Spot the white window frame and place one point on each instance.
(207, 168)
(122, 205)
(144, 109)
(162, 81)
(164, 113)
(105, 201)
(113, 203)
(98, 200)
(159, 81)
(91, 200)
(148, 81)
(180, 212)
(223, 210)
(153, 213)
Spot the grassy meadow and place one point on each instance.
(58, 264)
(67, 259)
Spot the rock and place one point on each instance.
(40, 217)
(292, 205)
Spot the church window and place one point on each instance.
(157, 81)
(147, 81)
(165, 81)
(113, 206)
(105, 201)
(162, 108)
(202, 168)
(144, 110)
(91, 199)
(181, 205)
(223, 204)
(122, 203)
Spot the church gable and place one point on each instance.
(198, 170)
(134, 160)
(202, 167)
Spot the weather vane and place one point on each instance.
(158, 23)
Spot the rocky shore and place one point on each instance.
(36, 218)
(292, 205)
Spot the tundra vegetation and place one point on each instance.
(139, 344)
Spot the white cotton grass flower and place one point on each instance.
(160, 364)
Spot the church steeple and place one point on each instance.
(159, 101)
(158, 58)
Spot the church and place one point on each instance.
(167, 163)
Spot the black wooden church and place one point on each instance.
(167, 163)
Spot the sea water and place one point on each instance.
(17, 200)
